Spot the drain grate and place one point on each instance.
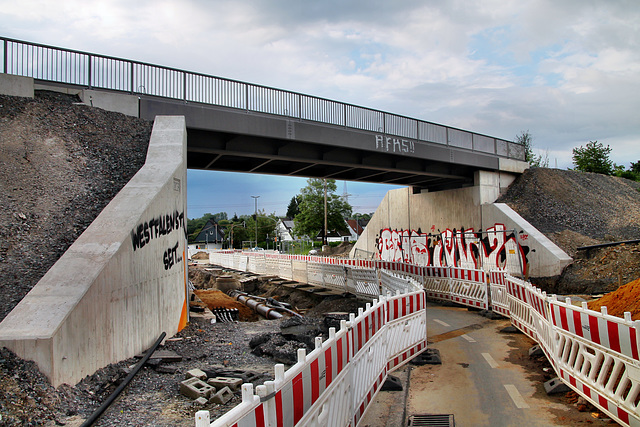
(431, 420)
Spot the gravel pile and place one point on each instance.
(604, 208)
(576, 209)
(60, 165)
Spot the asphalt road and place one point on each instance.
(485, 379)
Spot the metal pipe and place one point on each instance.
(255, 305)
(96, 414)
(605, 245)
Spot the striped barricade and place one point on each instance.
(285, 268)
(520, 307)
(363, 282)
(392, 283)
(407, 328)
(336, 382)
(299, 271)
(272, 265)
(469, 287)
(499, 300)
(243, 263)
(314, 274)
(334, 277)
(436, 283)
(597, 355)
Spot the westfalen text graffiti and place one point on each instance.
(162, 225)
(495, 247)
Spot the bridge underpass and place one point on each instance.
(235, 140)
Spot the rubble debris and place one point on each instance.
(222, 396)
(220, 382)
(194, 388)
(196, 373)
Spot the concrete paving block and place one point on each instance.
(536, 351)
(430, 356)
(392, 384)
(555, 385)
(196, 373)
(220, 382)
(201, 401)
(222, 397)
(195, 388)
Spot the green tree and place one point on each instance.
(633, 173)
(593, 158)
(310, 220)
(535, 160)
(294, 206)
(266, 226)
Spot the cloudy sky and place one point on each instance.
(568, 71)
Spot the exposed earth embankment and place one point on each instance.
(576, 209)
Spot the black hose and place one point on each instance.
(606, 245)
(96, 414)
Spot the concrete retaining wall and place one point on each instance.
(424, 229)
(122, 283)
(16, 85)
(545, 258)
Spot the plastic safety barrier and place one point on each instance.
(335, 383)
(463, 286)
(595, 354)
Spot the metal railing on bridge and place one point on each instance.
(94, 71)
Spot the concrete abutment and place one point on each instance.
(122, 282)
(435, 229)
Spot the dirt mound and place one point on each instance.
(342, 250)
(576, 209)
(200, 255)
(60, 165)
(604, 208)
(625, 298)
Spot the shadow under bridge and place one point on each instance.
(241, 140)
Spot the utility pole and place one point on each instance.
(324, 237)
(256, 217)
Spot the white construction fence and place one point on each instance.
(595, 354)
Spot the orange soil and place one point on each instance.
(625, 298)
(216, 299)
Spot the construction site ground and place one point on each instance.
(61, 163)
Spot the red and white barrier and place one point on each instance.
(335, 383)
(595, 354)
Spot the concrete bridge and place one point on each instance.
(242, 127)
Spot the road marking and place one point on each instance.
(441, 322)
(516, 396)
(468, 338)
(490, 360)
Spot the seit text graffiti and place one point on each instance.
(496, 247)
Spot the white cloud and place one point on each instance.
(568, 71)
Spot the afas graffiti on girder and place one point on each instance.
(495, 247)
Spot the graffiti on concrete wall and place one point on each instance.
(162, 225)
(496, 247)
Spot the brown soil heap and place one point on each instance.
(625, 298)
(217, 299)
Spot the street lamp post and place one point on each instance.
(256, 217)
